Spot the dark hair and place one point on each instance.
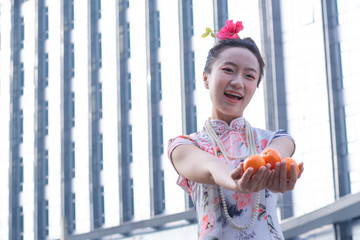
(220, 46)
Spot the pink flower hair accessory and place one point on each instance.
(229, 31)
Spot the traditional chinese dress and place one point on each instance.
(212, 223)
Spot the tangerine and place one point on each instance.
(271, 156)
(288, 161)
(255, 161)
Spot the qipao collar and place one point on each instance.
(221, 127)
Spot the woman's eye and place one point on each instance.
(228, 70)
(251, 77)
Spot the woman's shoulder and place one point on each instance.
(273, 133)
(199, 139)
(195, 137)
(263, 133)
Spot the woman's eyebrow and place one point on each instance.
(233, 64)
(229, 63)
(252, 69)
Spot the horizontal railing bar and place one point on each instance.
(157, 222)
(346, 208)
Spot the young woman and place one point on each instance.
(230, 203)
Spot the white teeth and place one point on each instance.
(233, 94)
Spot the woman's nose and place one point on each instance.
(238, 81)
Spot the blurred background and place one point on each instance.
(92, 90)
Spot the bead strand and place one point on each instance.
(253, 217)
(251, 150)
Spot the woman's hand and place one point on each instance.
(246, 183)
(278, 182)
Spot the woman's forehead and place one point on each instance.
(237, 56)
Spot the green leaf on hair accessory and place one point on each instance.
(229, 31)
(204, 35)
(207, 33)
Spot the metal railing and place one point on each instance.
(346, 208)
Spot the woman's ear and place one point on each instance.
(206, 81)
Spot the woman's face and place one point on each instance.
(232, 82)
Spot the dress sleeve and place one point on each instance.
(184, 183)
(180, 140)
(284, 133)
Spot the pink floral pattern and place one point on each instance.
(242, 200)
(212, 223)
(207, 224)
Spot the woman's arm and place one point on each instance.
(202, 167)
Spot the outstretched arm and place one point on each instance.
(202, 167)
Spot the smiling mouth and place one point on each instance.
(234, 96)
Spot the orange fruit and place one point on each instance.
(255, 161)
(288, 161)
(271, 156)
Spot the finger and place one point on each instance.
(254, 182)
(301, 169)
(275, 176)
(293, 177)
(277, 170)
(259, 174)
(266, 174)
(268, 166)
(283, 176)
(271, 179)
(247, 175)
(265, 178)
(260, 178)
(236, 173)
(241, 166)
(244, 183)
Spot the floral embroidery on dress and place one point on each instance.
(267, 193)
(245, 235)
(272, 228)
(233, 210)
(262, 212)
(243, 199)
(207, 225)
(261, 145)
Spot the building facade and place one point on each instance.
(91, 91)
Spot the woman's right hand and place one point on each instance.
(246, 183)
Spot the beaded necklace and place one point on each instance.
(251, 150)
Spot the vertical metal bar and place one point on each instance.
(95, 109)
(187, 66)
(187, 72)
(335, 97)
(220, 13)
(157, 194)
(336, 107)
(124, 126)
(41, 128)
(67, 118)
(16, 219)
(274, 84)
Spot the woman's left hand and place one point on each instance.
(278, 181)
